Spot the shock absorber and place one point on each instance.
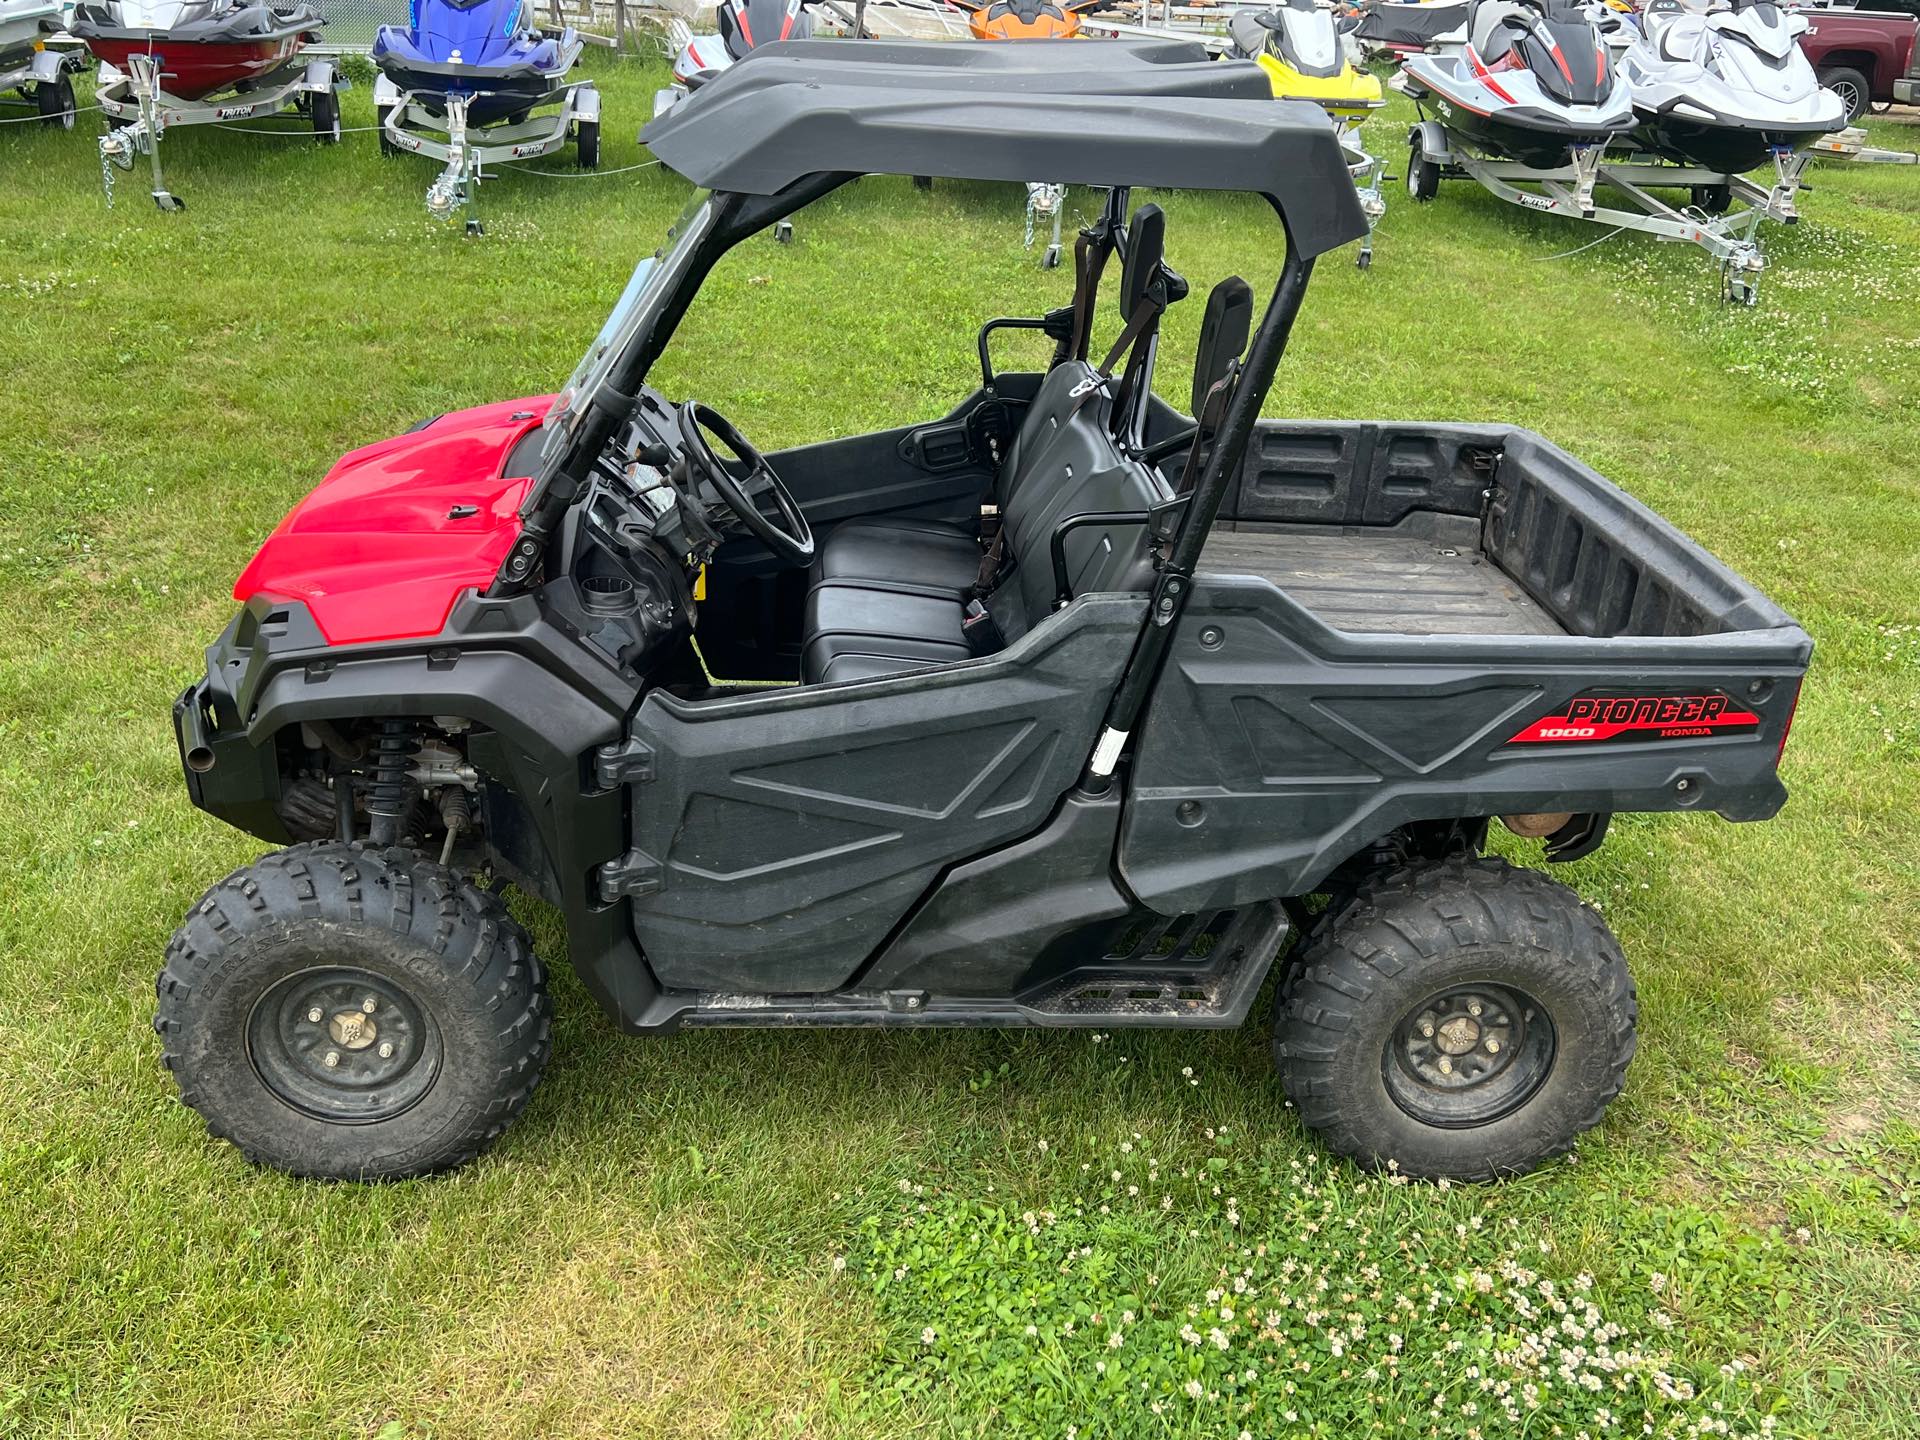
(390, 795)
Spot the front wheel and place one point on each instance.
(54, 100)
(1461, 1019)
(1713, 199)
(1853, 88)
(348, 1013)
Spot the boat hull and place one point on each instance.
(1729, 149)
(190, 71)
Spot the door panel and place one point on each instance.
(789, 833)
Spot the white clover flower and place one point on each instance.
(839, 1263)
(928, 1335)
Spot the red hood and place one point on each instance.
(375, 551)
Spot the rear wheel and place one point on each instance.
(1851, 86)
(54, 99)
(587, 144)
(1423, 175)
(1459, 1018)
(348, 1013)
(326, 116)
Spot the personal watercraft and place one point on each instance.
(166, 63)
(1726, 87)
(1300, 46)
(1026, 19)
(1533, 83)
(27, 67)
(744, 24)
(461, 84)
(1398, 28)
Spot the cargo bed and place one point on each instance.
(1432, 581)
(1404, 624)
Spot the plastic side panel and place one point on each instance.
(1362, 473)
(790, 833)
(1274, 747)
(1600, 561)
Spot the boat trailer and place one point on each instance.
(1731, 236)
(1368, 172)
(404, 116)
(139, 111)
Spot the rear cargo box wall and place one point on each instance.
(1361, 473)
(1601, 563)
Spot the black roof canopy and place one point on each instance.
(1150, 113)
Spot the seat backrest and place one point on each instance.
(1065, 463)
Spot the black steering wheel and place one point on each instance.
(789, 537)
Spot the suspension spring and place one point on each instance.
(390, 795)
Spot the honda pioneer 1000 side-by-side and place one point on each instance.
(1089, 705)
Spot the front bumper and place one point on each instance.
(227, 774)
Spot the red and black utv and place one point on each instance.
(1093, 714)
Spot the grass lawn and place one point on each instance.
(942, 1234)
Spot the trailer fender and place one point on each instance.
(586, 104)
(1431, 137)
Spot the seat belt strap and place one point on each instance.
(1137, 325)
(989, 566)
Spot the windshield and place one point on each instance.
(631, 313)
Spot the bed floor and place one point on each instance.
(1385, 582)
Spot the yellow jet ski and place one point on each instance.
(1299, 44)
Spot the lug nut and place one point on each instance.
(332, 1059)
(1446, 1066)
(1427, 1031)
(369, 1004)
(1493, 1046)
(313, 1015)
(1473, 1007)
(386, 1049)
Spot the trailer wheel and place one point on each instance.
(1713, 199)
(587, 145)
(1851, 86)
(347, 1013)
(1423, 175)
(54, 99)
(326, 116)
(1459, 1018)
(380, 115)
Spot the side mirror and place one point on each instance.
(1223, 337)
(1146, 248)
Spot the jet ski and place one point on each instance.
(469, 83)
(1398, 28)
(38, 75)
(168, 63)
(1533, 83)
(1726, 87)
(1300, 46)
(210, 45)
(744, 24)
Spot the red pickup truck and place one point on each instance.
(1863, 55)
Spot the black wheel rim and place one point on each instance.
(343, 1045)
(1469, 1055)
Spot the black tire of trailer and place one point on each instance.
(1423, 175)
(1851, 86)
(587, 144)
(380, 114)
(1713, 199)
(326, 117)
(54, 99)
(1419, 931)
(466, 995)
